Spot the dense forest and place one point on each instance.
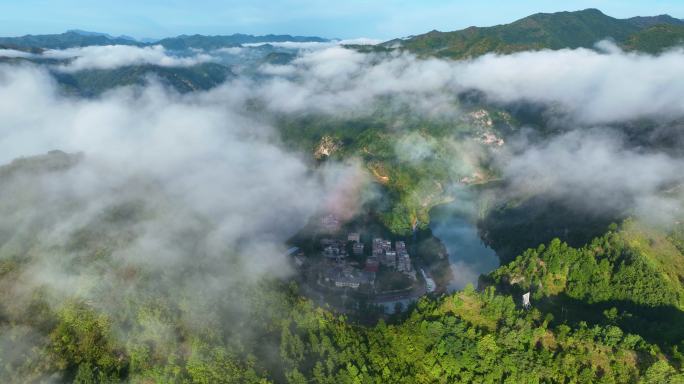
(463, 337)
(609, 312)
(159, 254)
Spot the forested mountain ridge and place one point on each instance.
(580, 29)
(632, 277)
(656, 39)
(64, 40)
(94, 82)
(651, 21)
(215, 42)
(72, 39)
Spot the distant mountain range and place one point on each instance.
(78, 38)
(540, 31)
(235, 40)
(547, 31)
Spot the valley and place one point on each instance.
(499, 204)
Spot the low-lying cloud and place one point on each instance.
(198, 192)
(198, 167)
(316, 45)
(115, 56)
(12, 53)
(591, 86)
(586, 86)
(596, 171)
(340, 80)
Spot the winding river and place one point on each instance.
(468, 255)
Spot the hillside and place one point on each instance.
(183, 79)
(650, 21)
(540, 31)
(143, 322)
(417, 162)
(631, 277)
(656, 39)
(175, 248)
(65, 40)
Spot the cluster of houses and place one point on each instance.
(336, 249)
(340, 272)
(397, 258)
(344, 274)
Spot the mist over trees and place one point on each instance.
(144, 227)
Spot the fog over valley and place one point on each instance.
(436, 208)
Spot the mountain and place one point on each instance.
(79, 38)
(279, 58)
(656, 39)
(183, 79)
(634, 272)
(649, 21)
(539, 31)
(88, 33)
(65, 40)
(235, 40)
(22, 49)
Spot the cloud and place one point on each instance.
(315, 45)
(196, 184)
(339, 79)
(587, 86)
(593, 166)
(184, 200)
(205, 195)
(114, 56)
(590, 86)
(596, 171)
(11, 53)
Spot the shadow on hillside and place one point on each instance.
(662, 325)
(510, 230)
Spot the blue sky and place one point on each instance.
(344, 19)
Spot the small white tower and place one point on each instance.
(526, 300)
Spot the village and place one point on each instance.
(361, 265)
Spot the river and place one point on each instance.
(468, 255)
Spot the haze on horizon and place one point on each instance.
(383, 19)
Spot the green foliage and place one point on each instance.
(72, 39)
(620, 278)
(656, 39)
(414, 159)
(94, 82)
(606, 269)
(161, 325)
(81, 341)
(662, 372)
(539, 31)
(467, 337)
(64, 40)
(214, 364)
(547, 31)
